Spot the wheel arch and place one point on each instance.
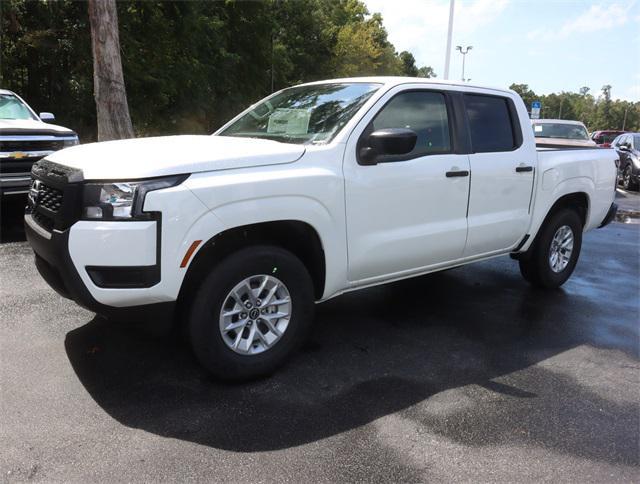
(298, 237)
(577, 200)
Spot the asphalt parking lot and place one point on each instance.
(466, 375)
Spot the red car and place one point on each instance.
(604, 138)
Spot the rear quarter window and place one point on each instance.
(490, 123)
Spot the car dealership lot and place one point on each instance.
(464, 375)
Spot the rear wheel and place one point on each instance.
(554, 255)
(251, 313)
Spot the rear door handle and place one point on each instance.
(454, 173)
(521, 169)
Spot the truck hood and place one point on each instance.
(31, 126)
(172, 155)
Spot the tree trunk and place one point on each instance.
(110, 95)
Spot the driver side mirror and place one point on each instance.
(624, 147)
(390, 141)
(47, 117)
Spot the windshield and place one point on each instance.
(560, 130)
(304, 114)
(12, 108)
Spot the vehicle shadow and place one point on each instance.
(372, 353)
(11, 218)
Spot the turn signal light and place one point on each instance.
(185, 260)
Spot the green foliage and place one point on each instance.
(45, 56)
(596, 113)
(426, 72)
(189, 66)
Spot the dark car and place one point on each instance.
(604, 138)
(628, 147)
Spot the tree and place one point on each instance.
(527, 95)
(110, 94)
(426, 72)
(603, 110)
(584, 90)
(408, 64)
(362, 48)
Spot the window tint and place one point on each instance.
(490, 123)
(423, 112)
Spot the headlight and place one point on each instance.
(71, 142)
(122, 200)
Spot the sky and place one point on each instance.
(551, 45)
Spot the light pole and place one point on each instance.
(464, 53)
(447, 54)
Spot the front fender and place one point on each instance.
(312, 195)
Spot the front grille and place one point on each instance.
(17, 167)
(50, 198)
(44, 202)
(54, 199)
(31, 145)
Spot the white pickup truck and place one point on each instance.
(318, 189)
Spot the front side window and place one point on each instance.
(489, 123)
(425, 113)
(304, 114)
(618, 141)
(12, 108)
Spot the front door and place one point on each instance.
(406, 212)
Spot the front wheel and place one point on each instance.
(554, 255)
(627, 178)
(251, 313)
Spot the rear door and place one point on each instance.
(502, 174)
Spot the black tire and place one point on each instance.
(535, 266)
(627, 179)
(204, 327)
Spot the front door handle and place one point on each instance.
(454, 173)
(523, 168)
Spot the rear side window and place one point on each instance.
(424, 112)
(490, 123)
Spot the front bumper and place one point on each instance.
(54, 263)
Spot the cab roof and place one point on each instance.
(390, 81)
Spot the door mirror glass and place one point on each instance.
(389, 141)
(47, 117)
